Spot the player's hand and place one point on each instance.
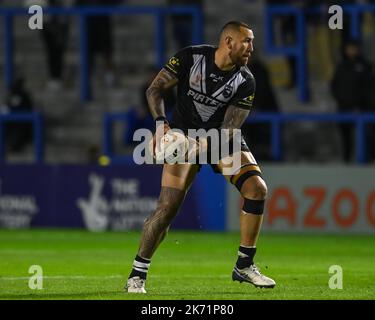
(161, 130)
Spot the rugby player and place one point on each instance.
(215, 89)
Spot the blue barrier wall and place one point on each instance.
(102, 198)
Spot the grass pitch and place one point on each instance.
(188, 265)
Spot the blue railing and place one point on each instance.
(275, 119)
(298, 50)
(82, 12)
(36, 120)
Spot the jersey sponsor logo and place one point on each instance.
(204, 105)
(199, 97)
(250, 98)
(173, 64)
(174, 61)
(216, 78)
(248, 101)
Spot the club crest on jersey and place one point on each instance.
(228, 89)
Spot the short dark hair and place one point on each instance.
(234, 25)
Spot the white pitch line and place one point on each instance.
(113, 277)
(64, 277)
(119, 276)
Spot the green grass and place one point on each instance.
(188, 265)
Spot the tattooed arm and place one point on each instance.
(234, 119)
(162, 82)
(154, 93)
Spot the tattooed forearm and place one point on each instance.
(234, 119)
(162, 82)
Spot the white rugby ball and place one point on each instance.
(173, 148)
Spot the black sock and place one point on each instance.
(245, 257)
(140, 267)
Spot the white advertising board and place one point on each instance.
(334, 199)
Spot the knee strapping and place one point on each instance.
(253, 206)
(246, 172)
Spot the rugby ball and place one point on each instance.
(173, 148)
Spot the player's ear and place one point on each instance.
(228, 41)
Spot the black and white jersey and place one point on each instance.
(204, 92)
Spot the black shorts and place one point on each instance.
(222, 153)
(214, 166)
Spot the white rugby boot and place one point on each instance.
(252, 275)
(135, 285)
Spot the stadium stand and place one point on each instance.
(73, 128)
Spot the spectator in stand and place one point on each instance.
(55, 34)
(19, 100)
(182, 24)
(345, 32)
(100, 39)
(288, 37)
(258, 135)
(288, 34)
(351, 88)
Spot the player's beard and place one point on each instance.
(238, 59)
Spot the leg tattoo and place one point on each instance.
(156, 225)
